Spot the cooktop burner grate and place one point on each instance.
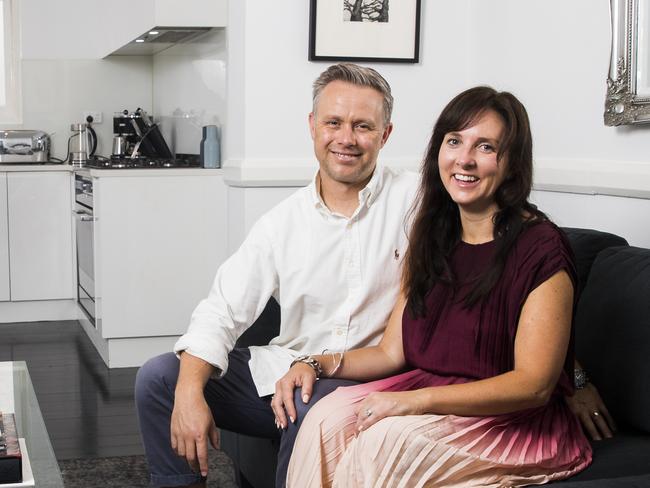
(142, 163)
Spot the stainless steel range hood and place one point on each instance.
(158, 39)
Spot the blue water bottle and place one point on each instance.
(210, 147)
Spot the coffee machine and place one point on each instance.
(136, 135)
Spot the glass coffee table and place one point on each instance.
(29, 423)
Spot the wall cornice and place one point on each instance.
(592, 177)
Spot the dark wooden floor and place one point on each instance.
(88, 409)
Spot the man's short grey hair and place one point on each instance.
(356, 75)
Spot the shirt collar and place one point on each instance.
(367, 195)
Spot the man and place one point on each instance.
(330, 254)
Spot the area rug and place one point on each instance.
(131, 472)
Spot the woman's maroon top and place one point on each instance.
(476, 343)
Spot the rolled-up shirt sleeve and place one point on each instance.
(240, 291)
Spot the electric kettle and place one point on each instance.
(82, 144)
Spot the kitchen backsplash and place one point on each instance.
(56, 93)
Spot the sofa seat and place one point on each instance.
(627, 454)
(612, 324)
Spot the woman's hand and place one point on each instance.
(379, 405)
(300, 375)
(589, 407)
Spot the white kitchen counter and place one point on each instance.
(111, 173)
(9, 168)
(107, 173)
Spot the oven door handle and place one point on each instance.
(84, 216)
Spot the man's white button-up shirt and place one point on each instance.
(336, 278)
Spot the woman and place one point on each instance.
(485, 320)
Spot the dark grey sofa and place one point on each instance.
(612, 342)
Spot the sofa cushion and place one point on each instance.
(265, 328)
(626, 454)
(613, 332)
(642, 481)
(586, 244)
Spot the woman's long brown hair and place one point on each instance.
(436, 228)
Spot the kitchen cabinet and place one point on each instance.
(4, 241)
(52, 29)
(39, 227)
(159, 237)
(173, 22)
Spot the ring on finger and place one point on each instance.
(368, 412)
(595, 413)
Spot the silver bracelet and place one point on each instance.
(311, 362)
(336, 365)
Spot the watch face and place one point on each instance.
(580, 378)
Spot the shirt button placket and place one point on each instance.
(354, 274)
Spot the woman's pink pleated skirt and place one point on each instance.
(530, 447)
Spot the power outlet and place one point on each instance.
(97, 116)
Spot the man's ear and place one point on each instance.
(312, 127)
(387, 131)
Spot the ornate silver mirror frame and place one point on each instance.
(625, 104)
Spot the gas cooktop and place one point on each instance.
(142, 163)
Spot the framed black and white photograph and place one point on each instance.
(364, 30)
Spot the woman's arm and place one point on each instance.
(365, 364)
(540, 348)
(374, 362)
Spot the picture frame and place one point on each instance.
(386, 31)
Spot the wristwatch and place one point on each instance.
(311, 362)
(580, 378)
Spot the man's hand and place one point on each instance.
(300, 375)
(587, 405)
(192, 423)
(191, 427)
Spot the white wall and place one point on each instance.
(553, 55)
(189, 90)
(627, 217)
(270, 79)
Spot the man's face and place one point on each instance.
(348, 130)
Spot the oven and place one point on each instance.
(85, 230)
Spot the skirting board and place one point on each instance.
(128, 352)
(135, 351)
(39, 310)
(593, 177)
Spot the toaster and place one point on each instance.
(24, 146)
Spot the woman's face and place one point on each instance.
(468, 164)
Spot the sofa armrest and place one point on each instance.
(613, 332)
